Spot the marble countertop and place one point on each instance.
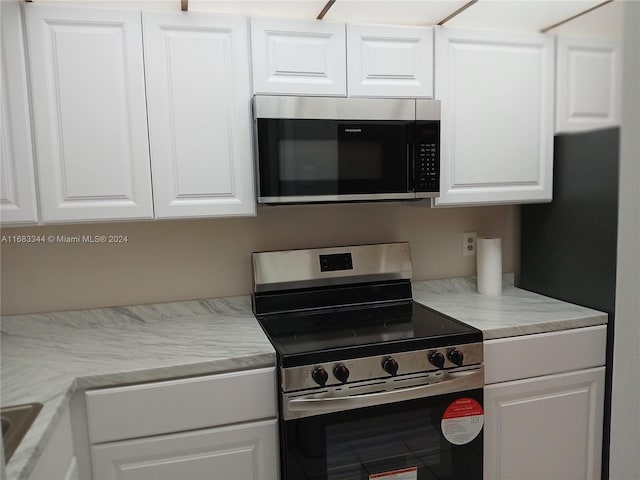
(515, 312)
(47, 357)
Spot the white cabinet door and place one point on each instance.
(545, 427)
(389, 61)
(17, 181)
(238, 452)
(57, 461)
(497, 116)
(298, 57)
(200, 124)
(89, 113)
(588, 84)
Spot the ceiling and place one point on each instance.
(515, 15)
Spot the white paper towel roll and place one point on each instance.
(489, 266)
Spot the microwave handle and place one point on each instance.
(411, 166)
(457, 381)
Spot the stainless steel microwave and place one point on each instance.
(328, 149)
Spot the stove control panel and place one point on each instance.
(381, 366)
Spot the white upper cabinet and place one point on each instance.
(89, 113)
(200, 124)
(390, 61)
(17, 181)
(496, 91)
(298, 57)
(588, 83)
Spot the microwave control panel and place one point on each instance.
(427, 174)
(427, 156)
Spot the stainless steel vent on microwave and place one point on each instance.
(326, 149)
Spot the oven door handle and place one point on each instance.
(456, 381)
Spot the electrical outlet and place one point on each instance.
(469, 243)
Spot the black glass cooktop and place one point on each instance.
(302, 338)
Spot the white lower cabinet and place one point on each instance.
(237, 452)
(549, 424)
(545, 427)
(57, 461)
(219, 426)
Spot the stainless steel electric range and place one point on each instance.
(373, 385)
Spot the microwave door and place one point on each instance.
(306, 160)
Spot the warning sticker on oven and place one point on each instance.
(409, 473)
(462, 421)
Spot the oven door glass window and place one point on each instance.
(333, 157)
(357, 444)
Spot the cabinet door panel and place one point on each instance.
(497, 113)
(198, 88)
(390, 61)
(239, 452)
(17, 181)
(545, 427)
(298, 57)
(57, 460)
(588, 84)
(89, 113)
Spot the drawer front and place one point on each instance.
(248, 451)
(163, 407)
(529, 356)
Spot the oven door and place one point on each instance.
(407, 439)
(326, 160)
(391, 429)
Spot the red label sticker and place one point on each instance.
(462, 421)
(409, 473)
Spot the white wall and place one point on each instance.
(178, 260)
(625, 420)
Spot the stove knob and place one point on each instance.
(341, 372)
(456, 356)
(320, 376)
(436, 359)
(390, 366)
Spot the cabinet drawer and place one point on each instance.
(163, 407)
(544, 354)
(237, 452)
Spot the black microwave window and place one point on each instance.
(333, 157)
